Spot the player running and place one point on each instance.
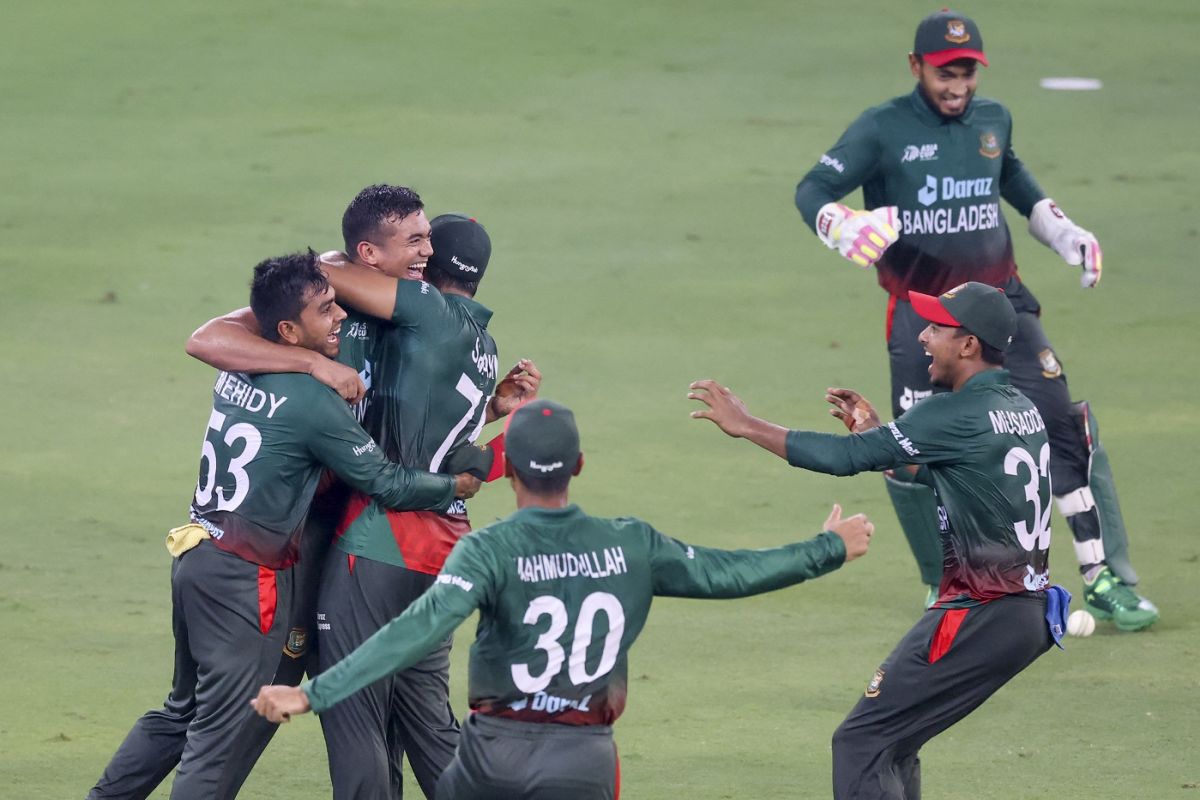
(933, 166)
(268, 440)
(562, 597)
(982, 448)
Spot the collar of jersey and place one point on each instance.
(542, 515)
(478, 311)
(989, 377)
(927, 115)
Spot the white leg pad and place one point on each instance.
(1090, 552)
(1076, 502)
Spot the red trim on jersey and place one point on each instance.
(268, 597)
(425, 538)
(350, 562)
(891, 317)
(617, 794)
(947, 629)
(496, 445)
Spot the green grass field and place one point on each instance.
(635, 164)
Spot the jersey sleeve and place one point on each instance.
(682, 570)
(461, 587)
(1017, 184)
(850, 163)
(337, 440)
(927, 433)
(416, 303)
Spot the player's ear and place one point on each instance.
(288, 332)
(578, 465)
(914, 65)
(364, 251)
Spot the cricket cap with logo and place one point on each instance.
(461, 246)
(946, 36)
(541, 439)
(981, 309)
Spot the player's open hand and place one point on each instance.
(725, 408)
(519, 386)
(279, 703)
(466, 485)
(342, 379)
(854, 410)
(855, 531)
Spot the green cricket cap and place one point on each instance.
(461, 246)
(946, 36)
(541, 439)
(981, 309)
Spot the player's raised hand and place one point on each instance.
(854, 410)
(342, 379)
(860, 236)
(279, 703)
(725, 409)
(1078, 247)
(855, 531)
(519, 386)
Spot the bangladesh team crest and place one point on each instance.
(956, 32)
(989, 145)
(297, 643)
(876, 682)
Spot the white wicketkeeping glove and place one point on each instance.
(1050, 226)
(860, 236)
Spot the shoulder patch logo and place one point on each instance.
(956, 32)
(876, 682)
(989, 145)
(1050, 366)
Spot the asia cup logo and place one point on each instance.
(956, 32)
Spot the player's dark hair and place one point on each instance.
(373, 206)
(443, 280)
(282, 286)
(990, 355)
(544, 484)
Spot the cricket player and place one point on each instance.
(435, 386)
(933, 166)
(268, 440)
(983, 448)
(562, 597)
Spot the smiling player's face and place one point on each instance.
(319, 323)
(949, 87)
(402, 247)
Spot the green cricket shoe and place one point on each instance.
(1107, 598)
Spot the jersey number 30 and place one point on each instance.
(550, 606)
(207, 484)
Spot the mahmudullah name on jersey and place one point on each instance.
(237, 390)
(552, 566)
(1020, 423)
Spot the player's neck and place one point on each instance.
(970, 370)
(528, 499)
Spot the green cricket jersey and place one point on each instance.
(946, 175)
(358, 337)
(985, 453)
(434, 372)
(562, 596)
(268, 438)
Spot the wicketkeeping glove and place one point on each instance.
(1050, 226)
(860, 236)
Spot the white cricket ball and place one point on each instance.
(1081, 623)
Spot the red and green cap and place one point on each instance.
(946, 36)
(541, 439)
(980, 309)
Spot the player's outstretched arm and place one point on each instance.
(727, 411)
(362, 288)
(233, 343)
(279, 703)
(854, 410)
